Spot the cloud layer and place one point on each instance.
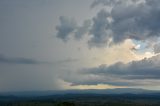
(4, 59)
(136, 73)
(143, 69)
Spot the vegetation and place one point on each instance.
(84, 100)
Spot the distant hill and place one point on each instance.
(89, 91)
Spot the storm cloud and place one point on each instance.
(99, 29)
(135, 73)
(143, 69)
(138, 21)
(131, 19)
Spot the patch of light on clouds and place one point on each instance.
(98, 86)
(142, 47)
(137, 46)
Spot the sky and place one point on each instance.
(79, 44)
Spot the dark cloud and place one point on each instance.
(156, 48)
(129, 19)
(138, 21)
(143, 69)
(135, 73)
(18, 60)
(66, 27)
(5, 59)
(99, 29)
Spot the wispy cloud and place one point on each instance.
(18, 60)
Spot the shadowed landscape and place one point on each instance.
(82, 98)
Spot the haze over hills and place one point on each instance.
(90, 97)
(89, 91)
